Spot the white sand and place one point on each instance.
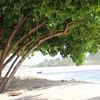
(76, 92)
(56, 91)
(36, 89)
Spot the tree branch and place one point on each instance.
(1, 35)
(43, 39)
(16, 52)
(11, 57)
(6, 48)
(11, 67)
(26, 35)
(34, 46)
(52, 35)
(68, 26)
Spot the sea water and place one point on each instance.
(84, 75)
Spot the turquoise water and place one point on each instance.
(84, 75)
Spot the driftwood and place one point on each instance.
(14, 93)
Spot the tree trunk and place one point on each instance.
(35, 45)
(6, 78)
(1, 67)
(7, 81)
(38, 42)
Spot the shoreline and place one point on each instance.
(48, 72)
(34, 88)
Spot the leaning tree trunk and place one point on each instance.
(38, 42)
(6, 78)
(1, 66)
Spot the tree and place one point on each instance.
(55, 62)
(70, 27)
(93, 59)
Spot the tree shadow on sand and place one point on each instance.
(36, 84)
(94, 98)
(31, 84)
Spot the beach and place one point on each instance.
(42, 89)
(35, 84)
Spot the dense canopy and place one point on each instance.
(68, 27)
(54, 15)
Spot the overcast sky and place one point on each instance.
(37, 58)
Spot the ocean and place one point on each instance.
(82, 73)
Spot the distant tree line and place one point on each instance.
(93, 59)
(55, 62)
(90, 60)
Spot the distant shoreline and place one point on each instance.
(26, 72)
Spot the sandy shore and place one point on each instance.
(28, 88)
(41, 89)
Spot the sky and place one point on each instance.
(37, 58)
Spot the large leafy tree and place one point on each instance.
(70, 27)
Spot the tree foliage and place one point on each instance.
(84, 35)
(70, 27)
